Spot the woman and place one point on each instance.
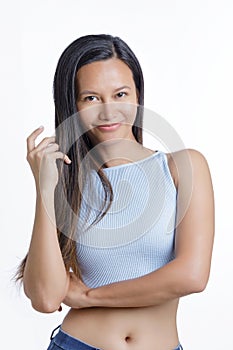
(121, 232)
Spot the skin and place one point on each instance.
(107, 95)
(138, 313)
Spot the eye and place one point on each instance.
(121, 94)
(90, 98)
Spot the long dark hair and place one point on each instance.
(74, 143)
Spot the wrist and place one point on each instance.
(92, 297)
(45, 203)
(45, 191)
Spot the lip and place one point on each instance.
(109, 127)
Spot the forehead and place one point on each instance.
(111, 71)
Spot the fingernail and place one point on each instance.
(41, 127)
(67, 160)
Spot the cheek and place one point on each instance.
(87, 118)
(130, 112)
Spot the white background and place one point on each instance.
(186, 51)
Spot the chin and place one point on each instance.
(109, 141)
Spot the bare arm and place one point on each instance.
(189, 271)
(45, 278)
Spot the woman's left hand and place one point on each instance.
(76, 296)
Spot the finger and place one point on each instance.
(60, 155)
(74, 278)
(53, 147)
(45, 142)
(32, 137)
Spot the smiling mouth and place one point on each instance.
(109, 127)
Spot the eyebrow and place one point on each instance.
(87, 92)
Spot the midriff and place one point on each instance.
(147, 328)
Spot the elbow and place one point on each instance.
(42, 303)
(44, 307)
(197, 286)
(191, 277)
(196, 283)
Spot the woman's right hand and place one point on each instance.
(42, 160)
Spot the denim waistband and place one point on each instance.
(67, 342)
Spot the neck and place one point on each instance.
(117, 152)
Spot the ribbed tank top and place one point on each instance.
(136, 236)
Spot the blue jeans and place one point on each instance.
(63, 341)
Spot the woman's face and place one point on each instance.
(107, 100)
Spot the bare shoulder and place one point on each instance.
(186, 162)
(195, 156)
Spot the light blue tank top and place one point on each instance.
(136, 236)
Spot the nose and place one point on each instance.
(108, 112)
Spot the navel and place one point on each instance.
(127, 339)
